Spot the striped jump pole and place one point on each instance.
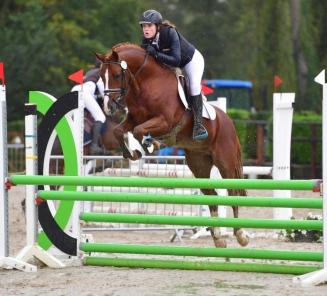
(5, 260)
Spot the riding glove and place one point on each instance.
(152, 51)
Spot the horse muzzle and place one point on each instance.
(109, 107)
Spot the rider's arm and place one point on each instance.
(174, 57)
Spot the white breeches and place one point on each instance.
(90, 101)
(194, 71)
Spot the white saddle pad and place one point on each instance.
(208, 110)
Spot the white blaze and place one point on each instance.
(106, 96)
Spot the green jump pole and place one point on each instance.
(202, 221)
(202, 252)
(309, 203)
(167, 182)
(200, 265)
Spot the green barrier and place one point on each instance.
(203, 221)
(248, 201)
(202, 252)
(167, 182)
(190, 220)
(200, 265)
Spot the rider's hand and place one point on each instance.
(151, 51)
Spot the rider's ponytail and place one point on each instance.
(168, 24)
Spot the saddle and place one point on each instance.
(208, 110)
(184, 81)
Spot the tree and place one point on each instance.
(44, 41)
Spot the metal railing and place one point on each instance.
(16, 158)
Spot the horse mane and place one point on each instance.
(121, 46)
(125, 45)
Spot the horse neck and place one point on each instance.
(143, 71)
(138, 65)
(146, 68)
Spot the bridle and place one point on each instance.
(120, 90)
(123, 90)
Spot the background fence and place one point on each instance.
(256, 140)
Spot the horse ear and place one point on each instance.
(100, 57)
(115, 55)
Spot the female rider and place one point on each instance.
(162, 41)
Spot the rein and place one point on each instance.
(142, 66)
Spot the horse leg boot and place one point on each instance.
(199, 131)
(95, 149)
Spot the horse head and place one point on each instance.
(118, 71)
(113, 74)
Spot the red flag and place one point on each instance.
(77, 76)
(206, 90)
(2, 74)
(277, 82)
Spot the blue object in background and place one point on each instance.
(171, 151)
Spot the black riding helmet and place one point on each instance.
(150, 17)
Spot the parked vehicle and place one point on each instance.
(237, 92)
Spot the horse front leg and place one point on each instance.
(144, 132)
(119, 132)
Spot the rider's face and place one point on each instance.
(149, 30)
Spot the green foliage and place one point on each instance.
(245, 134)
(16, 126)
(300, 235)
(43, 41)
(306, 126)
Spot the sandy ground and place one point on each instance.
(88, 280)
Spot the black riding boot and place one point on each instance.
(199, 131)
(95, 149)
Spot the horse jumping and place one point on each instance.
(149, 90)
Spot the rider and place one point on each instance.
(162, 41)
(93, 85)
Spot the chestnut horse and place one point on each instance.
(149, 91)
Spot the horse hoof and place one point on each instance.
(127, 155)
(136, 155)
(220, 243)
(150, 149)
(242, 237)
